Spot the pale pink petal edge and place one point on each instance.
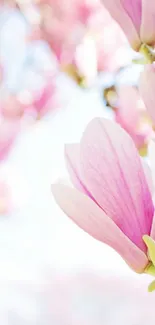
(88, 216)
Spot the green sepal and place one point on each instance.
(150, 243)
(151, 286)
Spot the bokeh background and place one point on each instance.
(61, 64)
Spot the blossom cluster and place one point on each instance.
(114, 187)
(113, 194)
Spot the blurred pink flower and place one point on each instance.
(44, 100)
(30, 103)
(9, 130)
(136, 18)
(11, 107)
(131, 114)
(116, 205)
(147, 88)
(73, 24)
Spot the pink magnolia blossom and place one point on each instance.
(131, 114)
(115, 205)
(147, 88)
(136, 18)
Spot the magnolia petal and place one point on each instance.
(72, 156)
(153, 228)
(151, 156)
(146, 88)
(148, 22)
(114, 175)
(134, 9)
(127, 107)
(150, 243)
(88, 216)
(119, 10)
(148, 175)
(129, 115)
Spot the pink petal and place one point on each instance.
(153, 229)
(87, 215)
(128, 112)
(114, 175)
(148, 22)
(134, 10)
(147, 88)
(42, 100)
(72, 155)
(120, 11)
(148, 175)
(151, 155)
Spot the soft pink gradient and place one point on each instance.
(72, 157)
(148, 175)
(85, 60)
(131, 114)
(92, 219)
(45, 100)
(128, 15)
(111, 44)
(136, 18)
(106, 146)
(17, 112)
(147, 88)
(134, 10)
(73, 24)
(11, 108)
(107, 167)
(8, 133)
(147, 31)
